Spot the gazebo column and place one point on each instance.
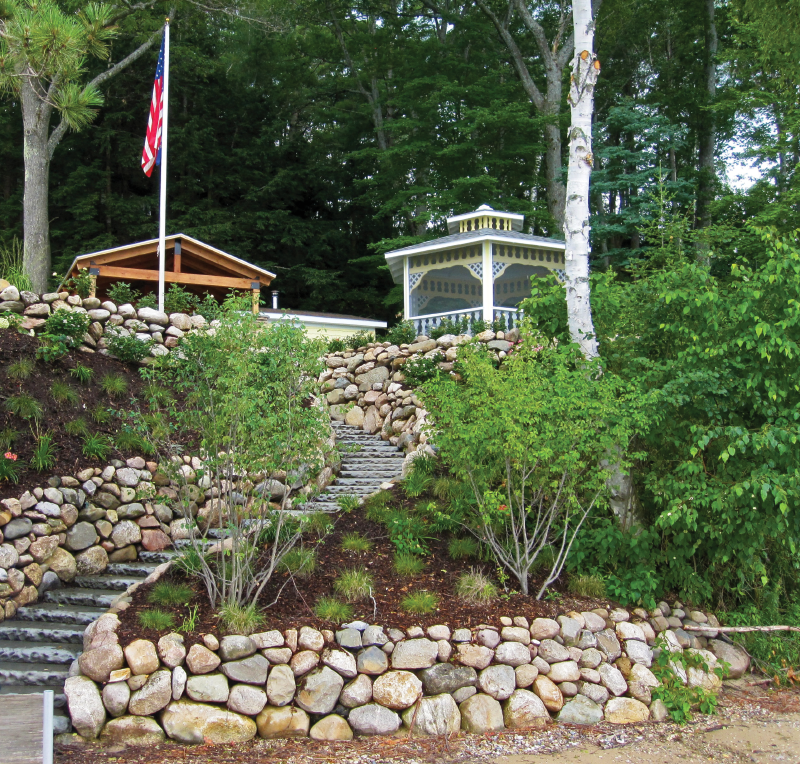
(487, 281)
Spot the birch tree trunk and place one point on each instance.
(585, 71)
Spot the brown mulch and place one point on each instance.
(296, 597)
(69, 457)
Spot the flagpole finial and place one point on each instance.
(167, 20)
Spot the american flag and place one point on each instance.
(152, 143)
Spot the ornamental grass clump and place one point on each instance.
(354, 584)
(587, 585)
(355, 542)
(153, 618)
(332, 609)
(476, 588)
(408, 565)
(420, 603)
(300, 562)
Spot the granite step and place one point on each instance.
(26, 631)
(40, 652)
(156, 557)
(95, 598)
(109, 582)
(32, 675)
(50, 612)
(132, 569)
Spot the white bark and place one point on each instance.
(585, 71)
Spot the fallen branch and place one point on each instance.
(740, 629)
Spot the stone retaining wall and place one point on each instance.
(368, 680)
(147, 324)
(366, 387)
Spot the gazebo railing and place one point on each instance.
(424, 324)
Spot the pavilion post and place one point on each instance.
(255, 286)
(93, 274)
(488, 284)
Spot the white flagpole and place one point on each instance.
(162, 223)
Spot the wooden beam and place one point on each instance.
(177, 266)
(121, 254)
(223, 262)
(200, 279)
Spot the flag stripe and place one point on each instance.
(151, 154)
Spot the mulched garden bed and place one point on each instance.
(294, 607)
(69, 457)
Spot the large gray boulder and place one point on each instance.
(154, 696)
(580, 710)
(373, 719)
(524, 709)
(252, 670)
(445, 677)
(480, 714)
(195, 723)
(738, 659)
(437, 715)
(320, 691)
(132, 730)
(85, 705)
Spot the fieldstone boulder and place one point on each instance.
(549, 693)
(525, 675)
(235, 647)
(552, 652)
(252, 670)
(303, 662)
(372, 660)
(373, 719)
(92, 562)
(320, 691)
(171, 650)
(397, 689)
(41, 550)
(331, 728)
(524, 709)
(738, 659)
(437, 715)
(115, 698)
(126, 532)
(85, 705)
(63, 564)
(132, 730)
(512, 654)
(580, 710)
(638, 651)
(284, 722)
(340, 661)
(475, 656)
(246, 699)
(612, 679)
(200, 660)
(267, 639)
(608, 644)
(545, 628)
(310, 639)
(480, 714)
(445, 677)
(566, 671)
(141, 657)
(414, 654)
(98, 663)
(357, 693)
(626, 711)
(591, 658)
(154, 696)
(195, 723)
(208, 688)
(497, 681)
(281, 686)
(151, 316)
(179, 679)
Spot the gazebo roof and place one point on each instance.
(189, 262)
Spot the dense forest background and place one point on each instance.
(310, 137)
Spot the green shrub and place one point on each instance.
(128, 441)
(460, 549)
(331, 609)
(122, 293)
(416, 483)
(114, 385)
(403, 333)
(241, 619)
(359, 339)
(67, 324)
(419, 370)
(354, 584)
(188, 561)
(336, 345)
(169, 594)
(24, 406)
(420, 603)
(408, 565)
(9, 467)
(586, 585)
(44, 453)
(347, 502)
(96, 446)
(477, 325)
(148, 300)
(375, 506)
(64, 393)
(81, 284)
(21, 370)
(179, 300)
(77, 427)
(129, 348)
(317, 523)
(475, 587)
(209, 308)
(101, 414)
(300, 562)
(408, 532)
(355, 542)
(82, 373)
(156, 619)
(450, 326)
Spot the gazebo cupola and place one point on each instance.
(481, 271)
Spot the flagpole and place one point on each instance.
(162, 223)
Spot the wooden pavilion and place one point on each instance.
(193, 264)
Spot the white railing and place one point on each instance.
(424, 324)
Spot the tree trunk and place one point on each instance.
(36, 225)
(707, 176)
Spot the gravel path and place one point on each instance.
(754, 725)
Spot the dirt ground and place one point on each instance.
(754, 726)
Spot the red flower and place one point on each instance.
(9, 455)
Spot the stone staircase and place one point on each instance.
(38, 645)
(367, 461)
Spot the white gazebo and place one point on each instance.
(482, 270)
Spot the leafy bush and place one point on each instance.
(96, 446)
(420, 603)
(128, 348)
(376, 506)
(408, 565)
(336, 345)
(114, 385)
(122, 293)
(354, 584)
(44, 453)
(420, 369)
(128, 440)
(331, 609)
(81, 284)
(460, 549)
(300, 562)
(416, 483)
(170, 594)
(64, 393)
(21, 370)
(77, 427)
(153, 618)
(62, 331)
(355, 542)
(82, 373)
(587, 586)
(359, 339)
(9, 467)
(209, 308)
(408, 532)
(475, 587)
(319, 524)
(148, 300)
(179, 300)
(403, 333)
(554, 420)
(24, 406)
(450, 326)
(241, 619)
